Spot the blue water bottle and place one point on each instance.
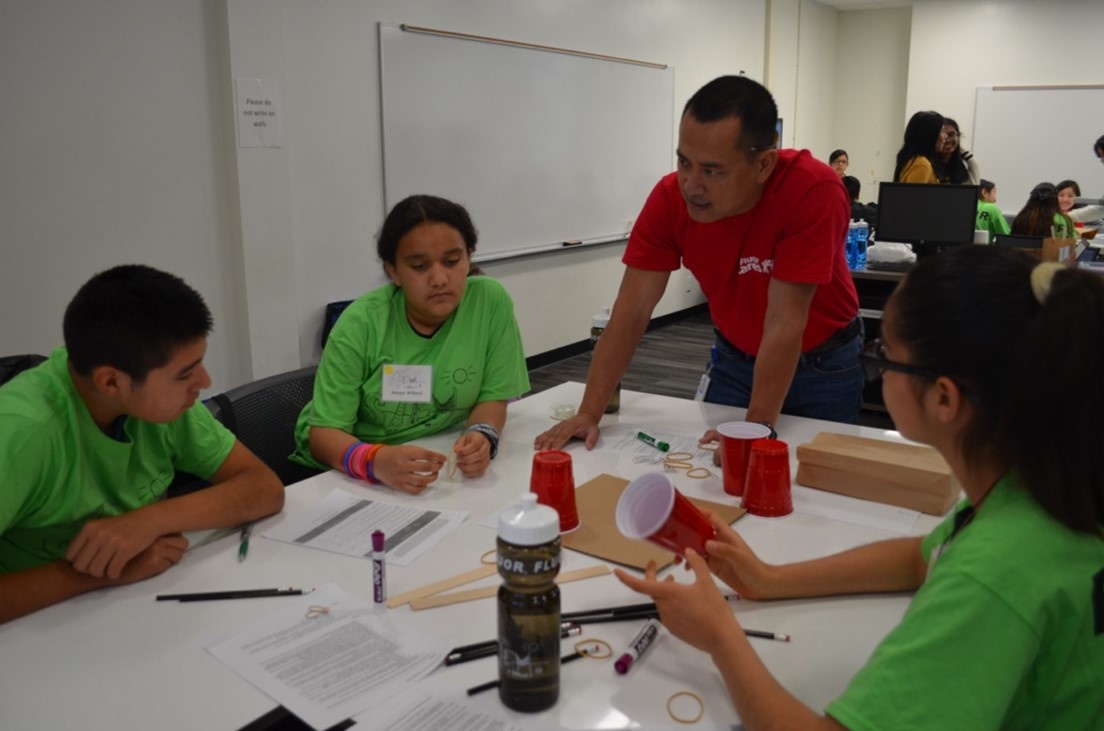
(850, 244)
(862, 236)
(861, 239)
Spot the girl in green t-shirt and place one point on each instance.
(1040, 216)
(433, 349)
(977, 359)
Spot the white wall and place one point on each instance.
(871, 73)
(1014, 42)
(327, 63)
(116, 137)
(111, 152)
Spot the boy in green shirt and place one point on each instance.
(91, 439)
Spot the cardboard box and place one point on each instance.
(905, 475)
(1060, 250)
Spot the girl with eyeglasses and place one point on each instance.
(997, 362)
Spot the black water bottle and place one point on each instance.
(529, 606)
(598, 325)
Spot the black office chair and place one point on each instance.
(262, 415)
(12, 365)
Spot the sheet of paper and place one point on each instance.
(437, 707)
(621, 440)
(823, 504)
(343, 523)
(325, 666)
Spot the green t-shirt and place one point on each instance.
(1063, 227)
(990, 218)
(1000, 636)
(475, 356)
(58, 470)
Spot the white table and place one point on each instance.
(116, 659)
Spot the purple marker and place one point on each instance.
(639, 646)
(379, 575)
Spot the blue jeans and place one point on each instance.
(826, 385)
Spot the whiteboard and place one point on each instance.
(1025, 135)
(541, 147)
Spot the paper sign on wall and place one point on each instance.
(259, 113)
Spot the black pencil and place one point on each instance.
(238, 594)
(495, 683)
(461, 649)
(602, 619)
(627, 609)
(486, 649)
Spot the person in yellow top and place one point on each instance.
(924, 138)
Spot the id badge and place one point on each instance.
(410, 383)
(703, 387)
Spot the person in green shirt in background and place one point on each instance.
(989, 216)
(1041, 216)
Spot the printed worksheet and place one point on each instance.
(343, 523)
(329, 656)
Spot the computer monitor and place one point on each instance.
(1015, 241)
(929, 218)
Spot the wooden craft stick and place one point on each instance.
(440, 600)
(443, 585)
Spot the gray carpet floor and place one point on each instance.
(669, 361)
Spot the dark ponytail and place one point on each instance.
(1034, 371)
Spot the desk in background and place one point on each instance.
(874, 288)
(117, 660)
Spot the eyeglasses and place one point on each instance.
(875, 363)
(763, 148)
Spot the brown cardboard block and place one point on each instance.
(1060, 250)
(906, 475)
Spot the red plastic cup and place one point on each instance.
(768, 493)
(554, 483)
(736, 440)
(651, 508)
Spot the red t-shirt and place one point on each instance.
(795, 232)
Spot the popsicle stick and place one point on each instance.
(440, 600)
(443, 585)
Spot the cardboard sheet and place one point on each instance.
(598, 535)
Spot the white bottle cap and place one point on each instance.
(526, 523)
(601, 319)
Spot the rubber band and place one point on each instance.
(581, 648)
(680, 456)
(688, 694)
(711, 446)
(699, 473)
(678, 464)
(451, 466)
(483, 559)
(316, 610)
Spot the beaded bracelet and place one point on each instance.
(488, 431)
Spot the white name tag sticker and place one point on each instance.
(413, 383)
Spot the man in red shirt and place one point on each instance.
(763, 231)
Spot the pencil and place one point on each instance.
(238, 594)
(486, 649)
(495, 683)
(604, 618)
